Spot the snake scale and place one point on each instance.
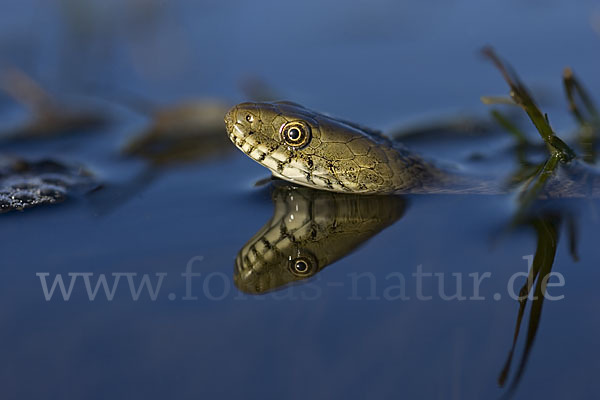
(322, 152)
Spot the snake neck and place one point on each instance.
(416, 175)
(572, 180)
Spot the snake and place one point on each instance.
(323, 152)
(309, 230)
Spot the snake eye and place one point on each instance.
(249, 118)
(302, 267)
(296, 133)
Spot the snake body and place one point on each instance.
(322, 152)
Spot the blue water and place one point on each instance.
(381, 63)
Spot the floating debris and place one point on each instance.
(49, 118)
(186, 132)
(25, 184)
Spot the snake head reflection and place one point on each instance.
(309, 230)
(303, 266)
(275, 270)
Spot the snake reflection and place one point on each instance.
(309, 230)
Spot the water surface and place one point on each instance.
(338, 334)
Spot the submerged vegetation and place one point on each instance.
(535, 177)
(545, 224)
(521, 97)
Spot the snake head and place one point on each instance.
(279, 136)
(315, 150)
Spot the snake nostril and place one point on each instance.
(229, 120)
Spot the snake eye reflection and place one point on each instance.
(296, 133)
(302, 267)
